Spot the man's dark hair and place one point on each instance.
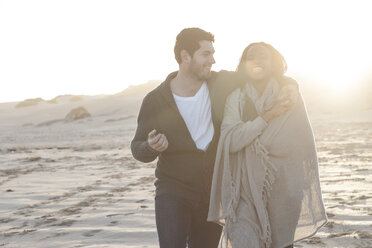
(188, 39)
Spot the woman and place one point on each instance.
(265, 188)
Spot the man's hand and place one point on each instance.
(158, 142)
(289, 92)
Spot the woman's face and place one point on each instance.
(258, 63)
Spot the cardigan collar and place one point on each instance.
(166, 92)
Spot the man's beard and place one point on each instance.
(199, 72)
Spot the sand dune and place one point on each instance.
(75, 184)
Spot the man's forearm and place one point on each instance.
(142, 151)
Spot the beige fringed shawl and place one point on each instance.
(267, 192)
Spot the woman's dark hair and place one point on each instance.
(188, 39)
(278, 64)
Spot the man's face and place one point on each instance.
(201, 62)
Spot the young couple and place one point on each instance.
(235, 150)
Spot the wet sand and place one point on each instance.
(75, 184)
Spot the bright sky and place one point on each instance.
(54, 47)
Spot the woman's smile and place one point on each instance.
(257, 69)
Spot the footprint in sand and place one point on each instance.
(113, 223)
(364, 235)
(27, 231)
(330, 215)
(32, 159)
(55, 235)
(70, 210)
(330, 224)
(314, 241)
(91, 233)
(65, 223)
(9, 234)
(336, 235)
(6, 220)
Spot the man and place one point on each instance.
(179, 123)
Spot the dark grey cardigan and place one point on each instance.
(182, 169)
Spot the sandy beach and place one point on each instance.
(75, 183)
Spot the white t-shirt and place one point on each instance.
(196, 112)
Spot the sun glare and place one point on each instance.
(100, 49)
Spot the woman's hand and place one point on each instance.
(283, 104)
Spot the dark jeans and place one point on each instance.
(180, 221)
